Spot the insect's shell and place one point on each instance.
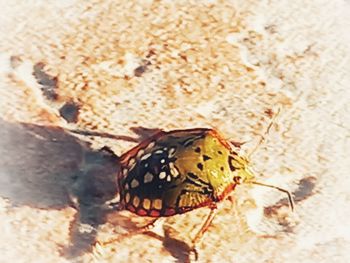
(178, 171)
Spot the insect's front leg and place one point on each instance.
(198, 237)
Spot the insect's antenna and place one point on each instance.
(262, 136)
(290, 198)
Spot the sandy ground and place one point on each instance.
(122, 67)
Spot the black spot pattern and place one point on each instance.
(230, 159)
(197, 150)
(206, 157)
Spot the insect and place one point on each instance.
(181, 170)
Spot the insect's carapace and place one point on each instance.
(178, 171)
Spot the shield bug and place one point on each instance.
(181, 170)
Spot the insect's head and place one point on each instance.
(242, 173)
(240, 167)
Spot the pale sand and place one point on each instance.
(218, 64)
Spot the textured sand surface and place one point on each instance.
(123, 66)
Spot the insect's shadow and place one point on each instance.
(37, 164)
(48, 168)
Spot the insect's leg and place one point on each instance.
(108, 151)
(149, 226)
(103, 135)
(237, 144)
(204, 228)
(137, 231)
(145, 133)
